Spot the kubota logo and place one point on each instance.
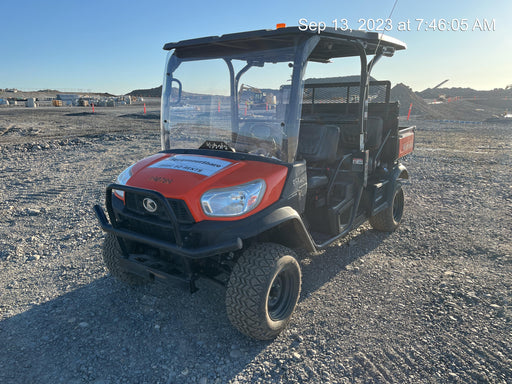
(149, 205)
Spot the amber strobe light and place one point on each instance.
(280, 25)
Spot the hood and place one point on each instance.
(188, 176)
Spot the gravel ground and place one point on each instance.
(428, 303)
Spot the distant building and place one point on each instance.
(68, 99)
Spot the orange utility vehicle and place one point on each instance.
(233, 191)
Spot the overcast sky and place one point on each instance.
(116, 46)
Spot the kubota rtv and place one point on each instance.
(239, 183)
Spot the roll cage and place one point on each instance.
(280, 45)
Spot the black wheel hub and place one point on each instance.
(281, 300)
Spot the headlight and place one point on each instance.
(123, 179)
(233, 201)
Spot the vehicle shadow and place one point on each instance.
(106, 332)
(320, 268)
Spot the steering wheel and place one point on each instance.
(261, 131)
(265, 144)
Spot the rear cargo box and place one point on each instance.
(406, 141)
(399, 144)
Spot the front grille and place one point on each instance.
(181, 211)
(153, 229)
(134, 203)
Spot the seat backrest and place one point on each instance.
(374, 129)
(318, 143)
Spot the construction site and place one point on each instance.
(436, 103)
(52, 98)
(429, 303)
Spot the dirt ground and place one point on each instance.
(429, 303)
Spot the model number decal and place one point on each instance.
(160, 179)
(195, 164)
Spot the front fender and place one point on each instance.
(285, 226)
(282, 225)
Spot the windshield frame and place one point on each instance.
(296, 52)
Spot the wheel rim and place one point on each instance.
(398, 206)
(281, 300)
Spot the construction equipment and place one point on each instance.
(441, 83)
(255, 97)
(231, 195)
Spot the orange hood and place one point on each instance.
(189, 176)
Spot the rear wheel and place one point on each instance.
(263, 290)
(389, 219)
(111, 255)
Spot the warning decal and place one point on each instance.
(206, 166)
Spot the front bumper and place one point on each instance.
(176, 247)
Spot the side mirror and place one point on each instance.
(175, 96)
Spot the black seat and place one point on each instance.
(318, 145)
(374, 128)
(317, 181)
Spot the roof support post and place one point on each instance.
(293, 112)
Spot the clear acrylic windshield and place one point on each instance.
(227, 104)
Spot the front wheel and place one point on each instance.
(263, 290)
(389, 219)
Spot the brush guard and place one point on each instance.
(150, 267)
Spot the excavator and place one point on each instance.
(255, 97)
